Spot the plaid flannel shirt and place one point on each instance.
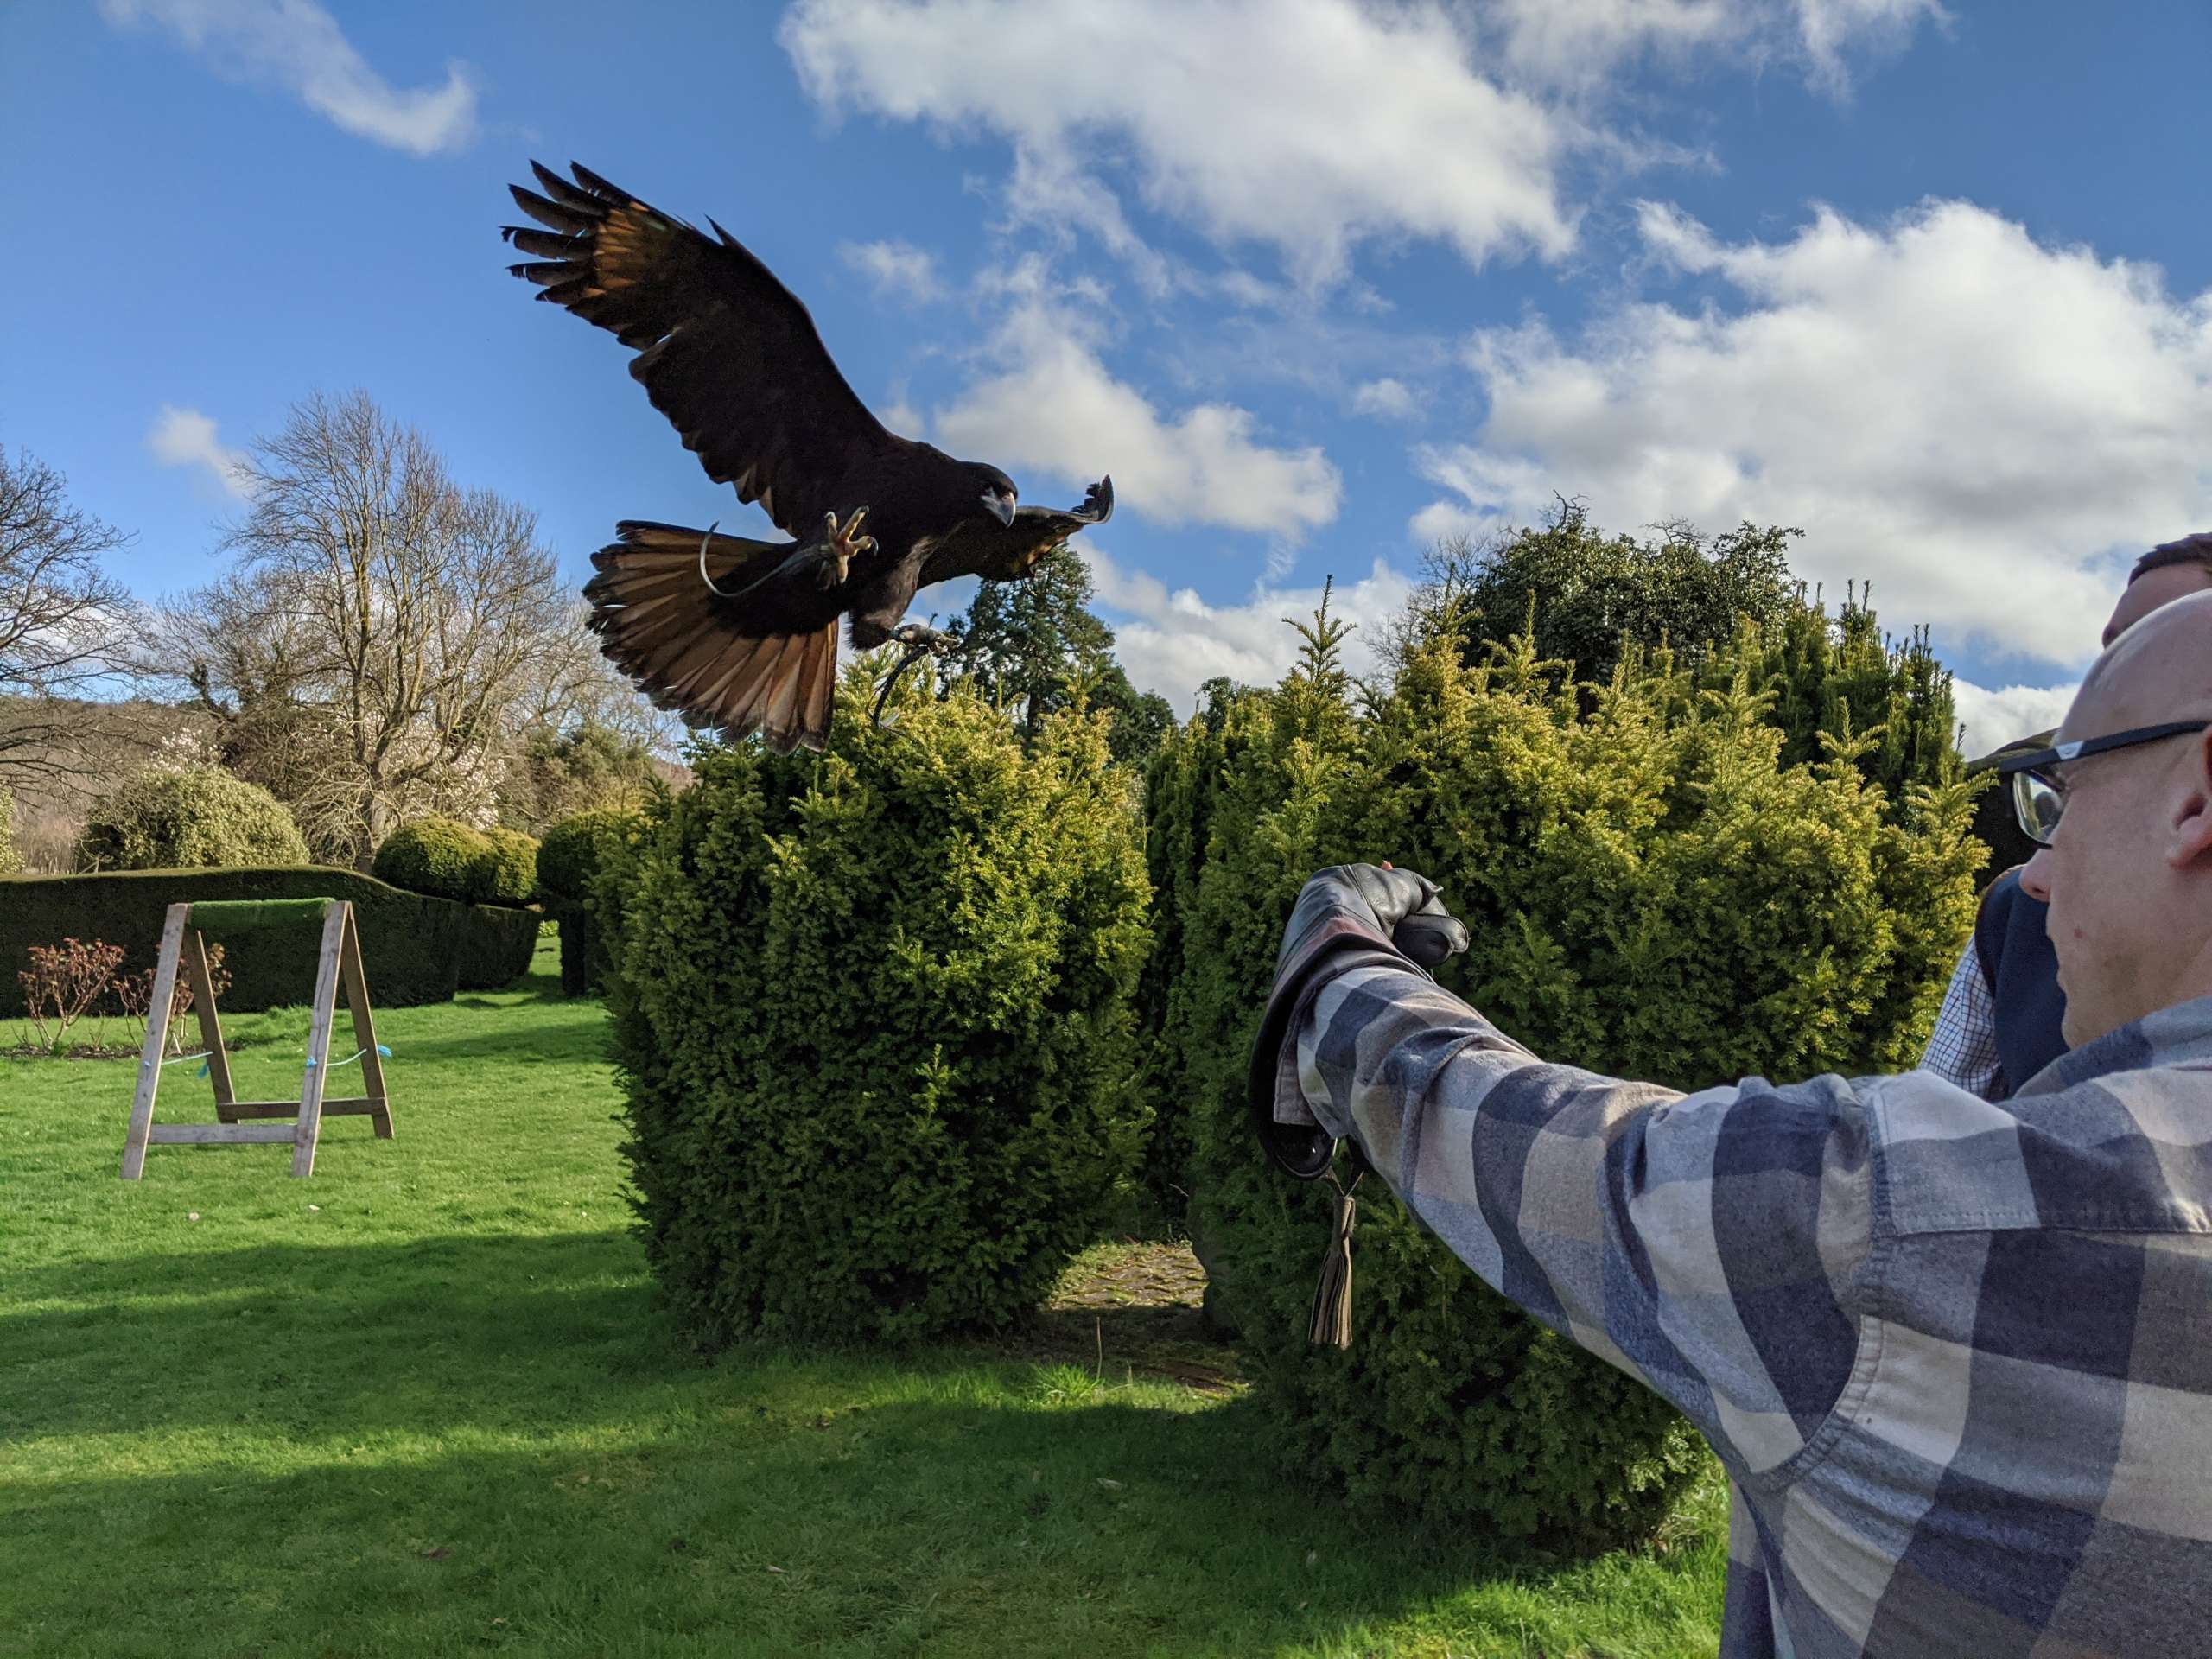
(1962, 1048)
(1952, 1355)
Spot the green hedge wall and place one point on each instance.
(496, 946)
(569, 860)
(412, 945)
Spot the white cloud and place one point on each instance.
(1578, 43)
(1980, 423)
(897, 268)
(1386, 400)
(1991, 718)
(297, 45)
(1309, 125)
(1173, 642)
(185, 438)
(1057, 408)
(1564, 42)
(1827, 28)
(1049, 192)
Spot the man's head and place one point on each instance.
(2128, 875)
(2172, 571)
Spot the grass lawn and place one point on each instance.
(422, 1404)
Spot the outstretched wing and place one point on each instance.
(724, 350)
(983, 547)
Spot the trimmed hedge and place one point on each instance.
(1652, 893)
(508, 874)
(569, 859)
(196, 818)
(438, 856)
(496, 946)
(411, 945)
(871, 1011)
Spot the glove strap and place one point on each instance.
(1332, 1325)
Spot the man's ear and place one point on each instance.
(2190, 837)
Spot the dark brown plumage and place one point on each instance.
(731, 357)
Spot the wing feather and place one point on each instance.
(1003, 553)
(726, 350)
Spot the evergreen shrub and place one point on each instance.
(569, 859)
(11, 858)
(1654, 894)
(189, 817)
(442, 857)
(871, 1011)
(507, 874)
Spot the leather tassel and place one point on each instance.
(1332, 1298)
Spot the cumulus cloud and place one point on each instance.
(895, 268)
(1991, 718)
(297, 45)
(1980, 424)
(1055, 408)
(1309, 125)
(185, 438)
(1171, 641)
(1386, 400)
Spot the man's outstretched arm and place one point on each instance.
(1708, 1244)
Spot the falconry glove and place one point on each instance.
(1344, 909)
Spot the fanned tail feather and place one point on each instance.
(658, 623)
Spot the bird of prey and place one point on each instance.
(736, 634)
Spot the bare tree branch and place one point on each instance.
(64, 622)
(387, 642)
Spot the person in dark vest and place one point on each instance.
(2001, 1018)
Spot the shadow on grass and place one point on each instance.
(544, 1039)
(912, 1527)
(497, 1440)
(477, 1438)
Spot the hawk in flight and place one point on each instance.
(736, 634)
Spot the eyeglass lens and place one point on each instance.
(2037, 805)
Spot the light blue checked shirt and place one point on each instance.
(1956, 1357)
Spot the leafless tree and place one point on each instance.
(63, 619)
(383, 631)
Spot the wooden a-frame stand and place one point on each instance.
(183, 950)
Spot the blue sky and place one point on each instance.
(1316, 282)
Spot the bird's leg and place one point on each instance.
(919, 641)
(839, 546)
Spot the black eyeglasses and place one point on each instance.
(2039, 796)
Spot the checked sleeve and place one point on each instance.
(1711, 1245)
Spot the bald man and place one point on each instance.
(1952, 1353)
(2003, 1016)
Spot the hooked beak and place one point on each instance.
(1001, 506)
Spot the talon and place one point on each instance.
(918, 639)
